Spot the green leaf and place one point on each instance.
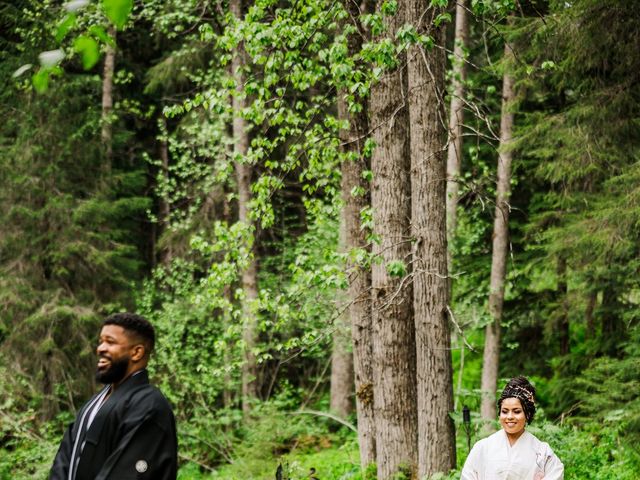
(443, 17)
(396, 268)
(389, 8)
(65, 26)
(548, 65)
(88, 48)
(40, 80)
(51, 58)
(75, 5)
(21, 70)
(99, 33)
(118, 11)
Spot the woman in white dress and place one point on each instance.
(513, 453)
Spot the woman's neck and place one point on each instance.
(513, 437)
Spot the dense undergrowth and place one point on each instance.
(307, 446)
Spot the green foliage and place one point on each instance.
(88, 48)
(118, 11)
(397, 268)
(77, 238)
(607, 391)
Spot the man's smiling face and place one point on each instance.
(114, 354)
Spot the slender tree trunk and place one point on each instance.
(227, 393)
(359, 294)
(243, 179)
(563, 323)
(341, 402)
(500, 251)
(426, 74)
(165, 253)
(456, 120)
(107, 102)
(341, 357)
(394, 388)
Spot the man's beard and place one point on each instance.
(116, 371)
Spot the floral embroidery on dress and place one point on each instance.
(541, 463)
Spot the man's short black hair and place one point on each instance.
(136, 324)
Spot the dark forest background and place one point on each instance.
(265, 181)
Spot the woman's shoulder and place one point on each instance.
(539, 446)
(487, 441)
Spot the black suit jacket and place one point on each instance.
(133, 436)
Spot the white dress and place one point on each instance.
(492, 458)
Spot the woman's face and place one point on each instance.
(512, 417)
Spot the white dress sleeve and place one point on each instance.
(473, 464)
(554, 469)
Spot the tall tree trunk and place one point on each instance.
(394, 388)
(426, 74)
(456, 120)
(341, 401)
(563, 318)
(229, 391)
(500, 251)
(107, 102)
(243, 179)
(359, 294)
(341, 357)
(165, 253)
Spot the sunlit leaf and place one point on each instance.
(51, 58)
(118, 11)
(75, 5)
(41, 80)
(88, 48)
(65, 26)
(21, 70)
(99, 33)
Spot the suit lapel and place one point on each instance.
(97, 449)
(142, 378)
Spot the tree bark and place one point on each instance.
(456, 120)
(359, 277)
(243, 179)
(164, 209)
(394, 388)
(427, 120)
(341, 358)
(107, 102)
(227, 393)
(491, 357)
(341, 369)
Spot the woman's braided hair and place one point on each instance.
(519, 387)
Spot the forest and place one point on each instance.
(350, 222)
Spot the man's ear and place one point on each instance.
(139, 352)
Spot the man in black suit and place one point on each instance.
(127, 430)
